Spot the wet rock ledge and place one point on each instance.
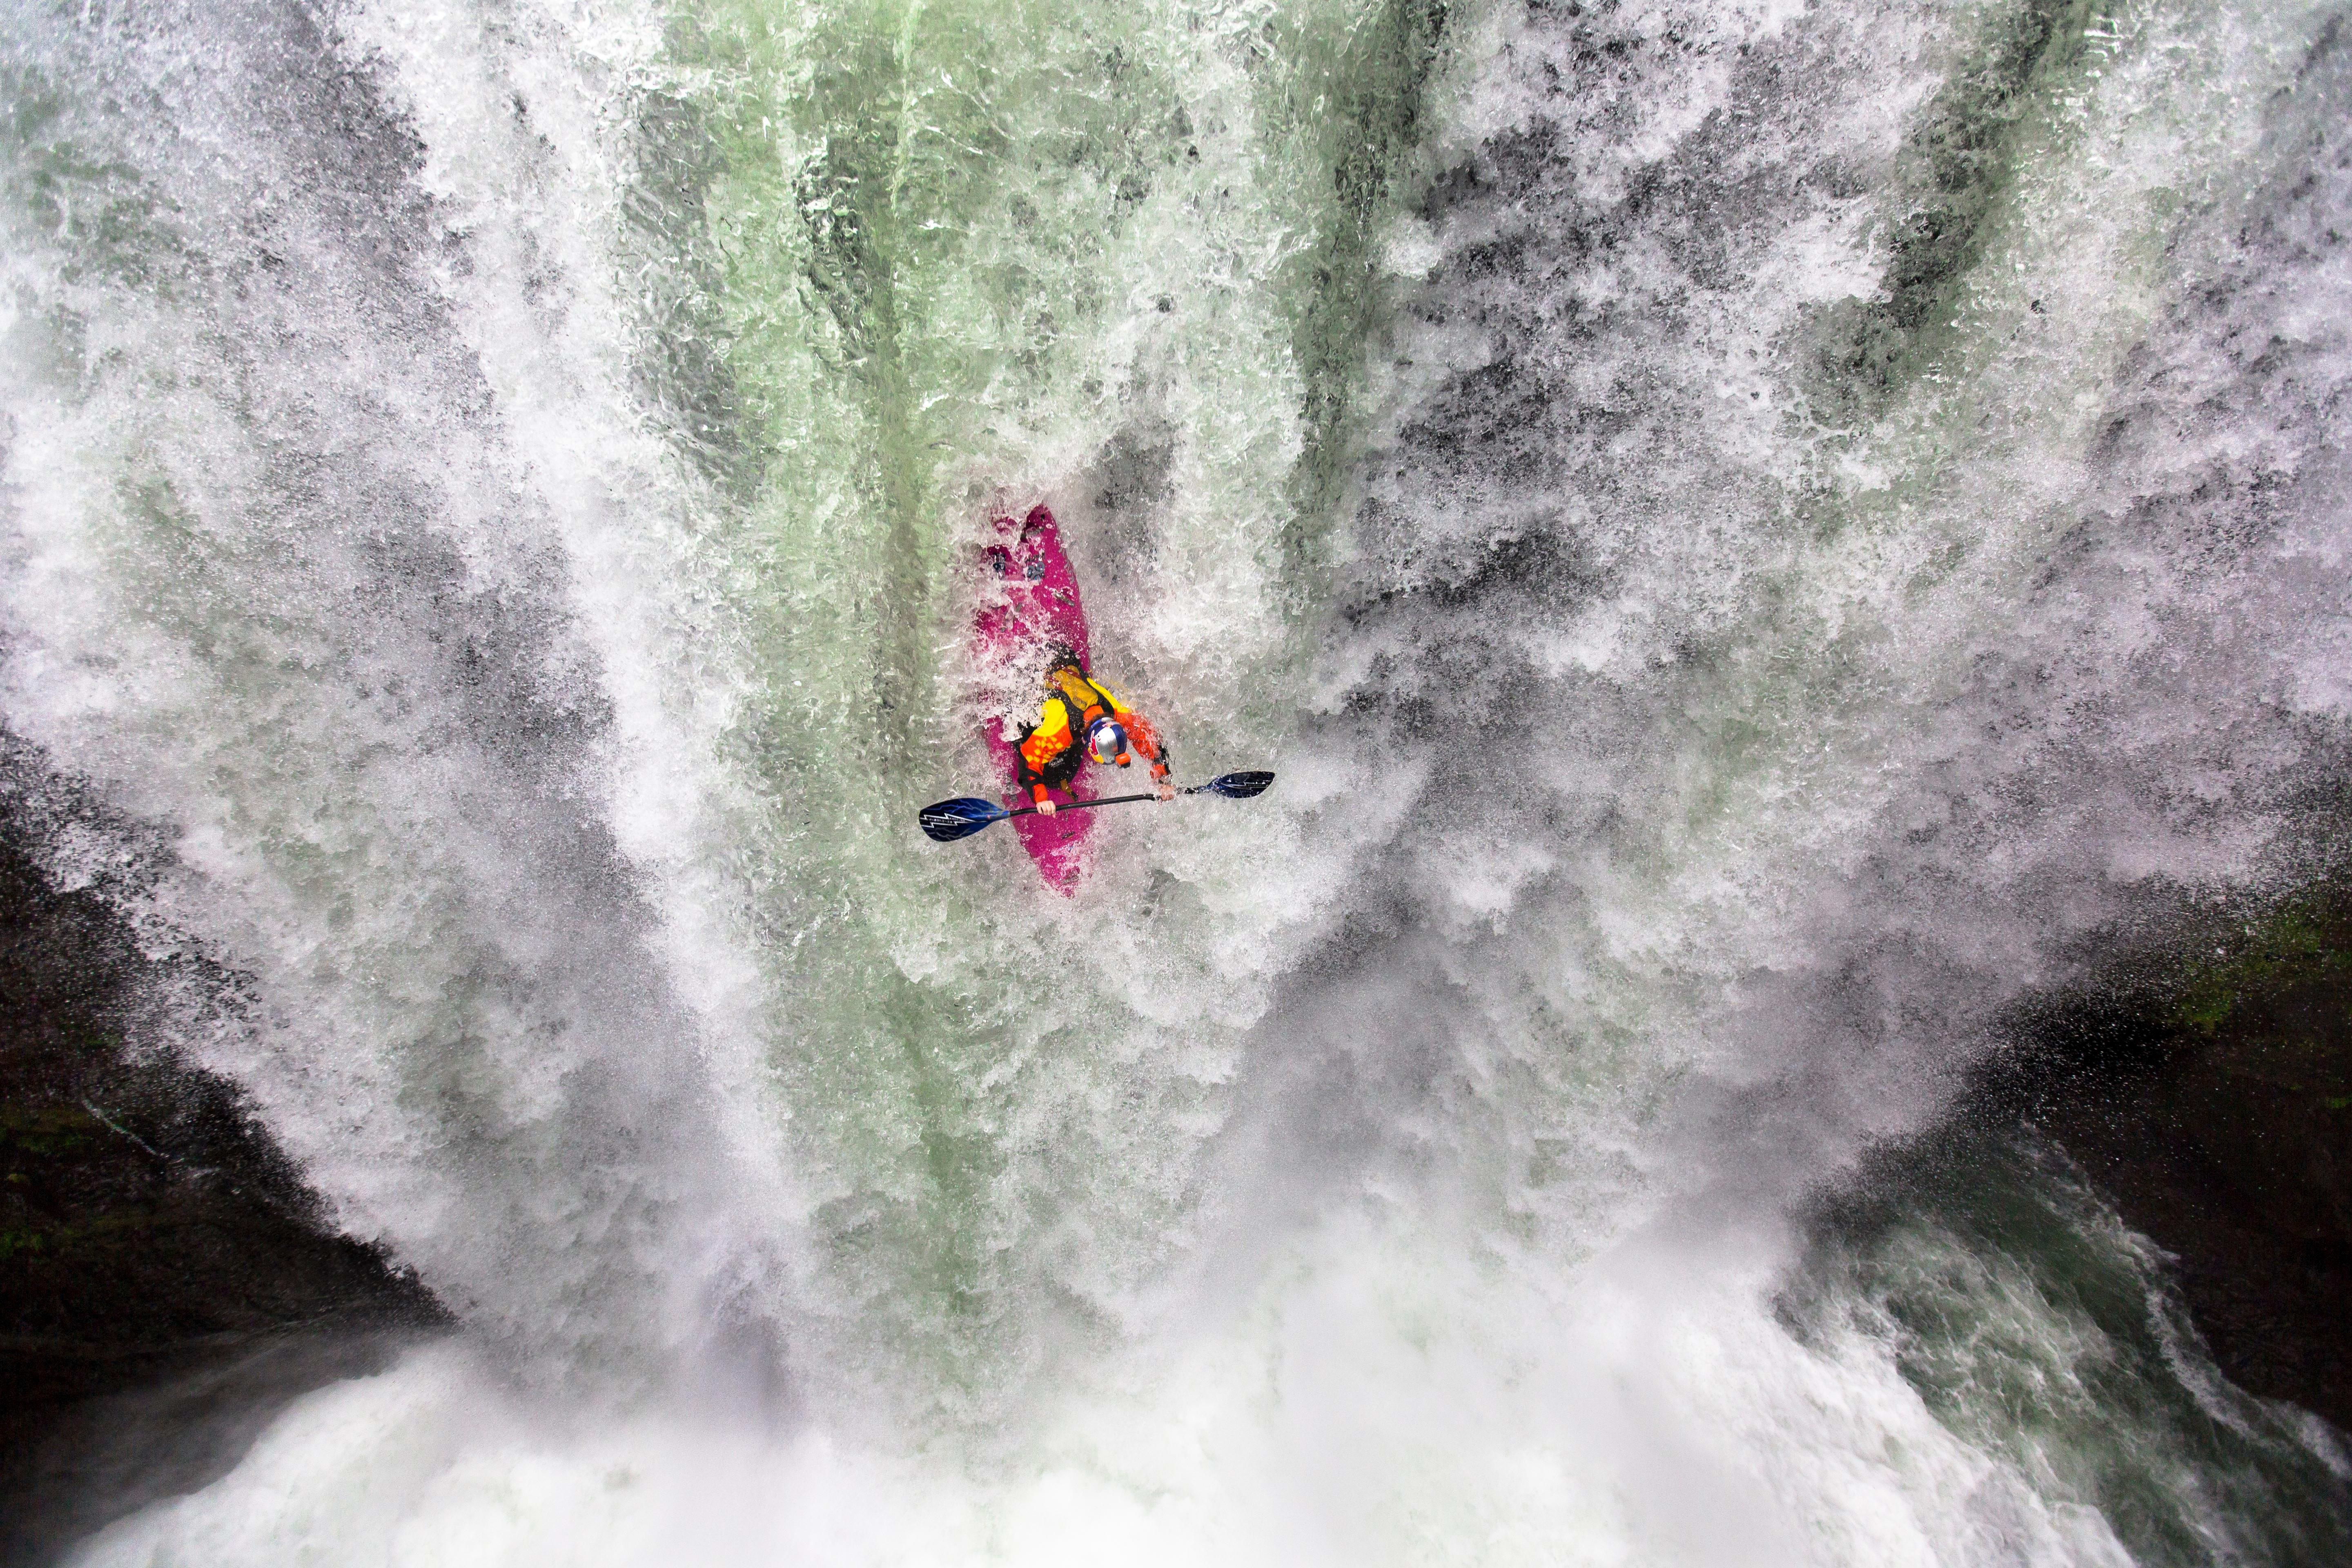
(151, 1237)
(2208, 1093)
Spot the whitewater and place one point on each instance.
(1755, 536)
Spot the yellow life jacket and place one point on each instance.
(1052, 750)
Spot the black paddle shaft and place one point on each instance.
(1232, 786)
(1085, 804)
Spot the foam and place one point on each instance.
(1384, 1398)
(512, 561)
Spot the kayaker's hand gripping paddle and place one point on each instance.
(960, 819)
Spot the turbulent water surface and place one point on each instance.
(1749, 531)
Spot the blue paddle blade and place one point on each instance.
(1235, 786)
(952, 819)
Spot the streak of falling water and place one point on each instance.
(1748, 533)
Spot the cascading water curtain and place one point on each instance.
(1750, 533)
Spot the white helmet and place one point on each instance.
(1106, 741)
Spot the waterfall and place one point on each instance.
(1755, 537)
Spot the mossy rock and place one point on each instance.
(142, 1208)
(2206, 1087)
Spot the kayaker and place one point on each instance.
(1081, 719)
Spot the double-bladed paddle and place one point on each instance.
(960, 819)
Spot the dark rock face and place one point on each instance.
(89, 1462)
(2212, 1103)
(151, 1234)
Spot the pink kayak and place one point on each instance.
(1029, 604)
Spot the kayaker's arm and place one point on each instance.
(1143, 737)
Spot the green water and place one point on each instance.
(1744, 532)
(956, 261)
